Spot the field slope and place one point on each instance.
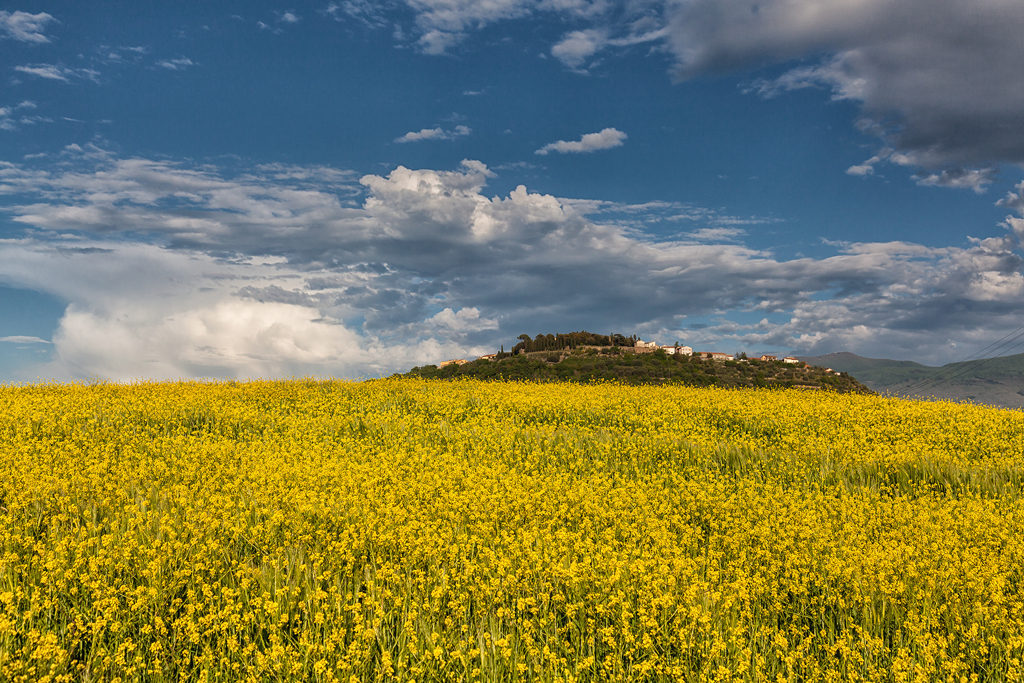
(468, 530)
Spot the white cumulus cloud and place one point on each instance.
(435, 133)
(960, 178)
(591, 142)
(579, 46)
(1014, 199)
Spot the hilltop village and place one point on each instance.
(606, 344)
(584, 356)
(641, 346)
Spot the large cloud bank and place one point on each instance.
(174, 271)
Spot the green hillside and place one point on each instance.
(623, 365)
(991, 368)
(872, 370)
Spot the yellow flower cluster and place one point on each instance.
(416, 530)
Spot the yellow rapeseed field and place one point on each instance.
(416, 530)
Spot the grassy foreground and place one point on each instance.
(468, 530)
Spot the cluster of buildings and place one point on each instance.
(647, 347)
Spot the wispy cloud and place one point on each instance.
(435, 133)
(443, 24)
(24, 339)
(121, 54)
(668, 217)
(718, 235)
(578, 49)
(281, 20)
(591, 142)
(11, 117)
(368, 12)
(178, 64)
(57, 72)
(26, 27)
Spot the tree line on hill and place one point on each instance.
(570, 340)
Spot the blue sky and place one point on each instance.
(229, 189)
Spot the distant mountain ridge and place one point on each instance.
(995, 381)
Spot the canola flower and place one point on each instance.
(470, 531)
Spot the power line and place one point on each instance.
(958, 370)
(1001, 347)
(995, 349)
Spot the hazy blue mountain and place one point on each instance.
(993, 381)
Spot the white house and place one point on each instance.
(681, 350)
